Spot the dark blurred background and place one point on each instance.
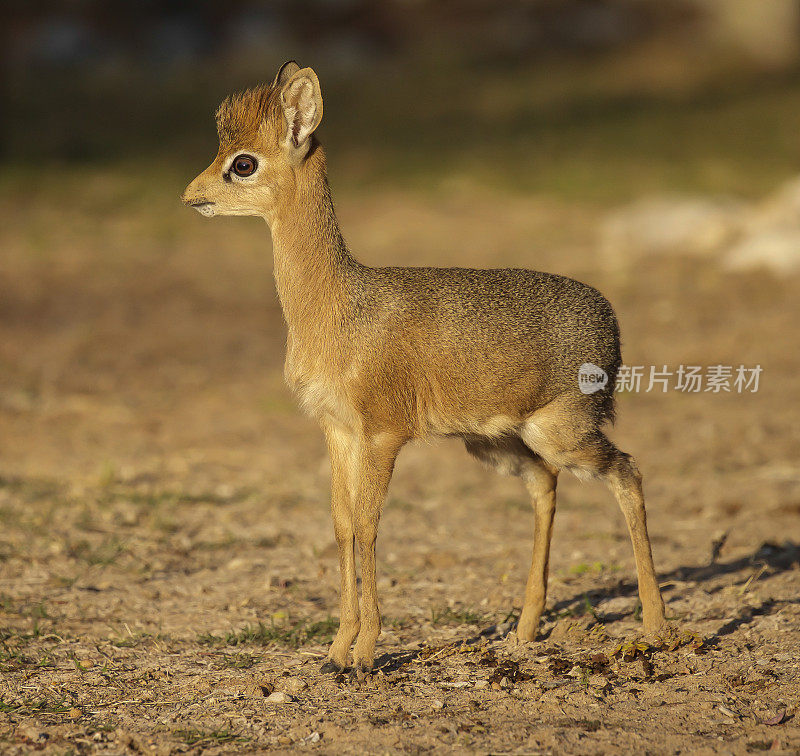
(593, 98)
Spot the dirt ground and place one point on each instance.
(167, 564)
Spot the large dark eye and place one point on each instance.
(244, 165)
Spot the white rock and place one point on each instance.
(777, 250)
(697, 226)
(781, 208)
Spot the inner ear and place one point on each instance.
(302, 107)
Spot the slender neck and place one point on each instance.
(311, 257)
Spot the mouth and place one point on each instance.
(202, 207)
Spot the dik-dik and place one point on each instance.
(380, 356)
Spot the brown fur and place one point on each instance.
(240, 117)
(381, 356)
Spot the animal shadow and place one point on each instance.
(769, 559)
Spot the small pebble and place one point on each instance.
(295, 685)
(279, 697)
(598, 681)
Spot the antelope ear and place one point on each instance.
(301, 101)
(287, 70)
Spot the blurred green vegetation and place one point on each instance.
(568, 130)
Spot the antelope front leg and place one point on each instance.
(340, 450)
(375, 463)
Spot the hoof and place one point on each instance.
(331, 667)
(521, 638)
(655, 626)
(360, 673)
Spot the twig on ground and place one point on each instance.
(752, 579)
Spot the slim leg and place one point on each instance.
(540, 480)
(375, 462)
(511, 456)
(626, 483)
(581, 447)
(339, 448)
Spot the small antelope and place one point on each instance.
(380, 356)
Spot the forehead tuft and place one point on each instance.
(241, 115)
